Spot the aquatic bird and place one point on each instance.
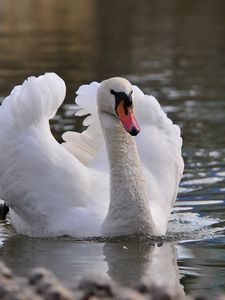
(120, 176)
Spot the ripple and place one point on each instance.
(193, 226)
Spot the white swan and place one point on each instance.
(76, 188)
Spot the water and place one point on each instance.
(172, 49)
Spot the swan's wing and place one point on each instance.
(159, 145)
(48, 190)
(84, 146)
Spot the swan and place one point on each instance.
(120, 176)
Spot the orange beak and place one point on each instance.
(126, 116)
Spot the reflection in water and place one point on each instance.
(128, 262)
(128, 257)
(125, 262)
(67, 259)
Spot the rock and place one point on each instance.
(47, 285)
(96, 286)
(41, 284)
(5, 272)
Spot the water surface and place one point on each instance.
(172, 49)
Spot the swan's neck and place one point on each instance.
(129, 211)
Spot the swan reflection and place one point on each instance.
(125, 262)
(129, 262)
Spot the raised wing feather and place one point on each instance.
(40, 180)
(85, 145)
(159, 145)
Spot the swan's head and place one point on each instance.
(115, 99)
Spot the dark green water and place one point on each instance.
(172, 49)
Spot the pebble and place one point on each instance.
(41, 284)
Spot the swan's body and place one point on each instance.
(82, 188)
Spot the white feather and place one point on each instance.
(55, 189)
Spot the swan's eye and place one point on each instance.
(113, 92)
